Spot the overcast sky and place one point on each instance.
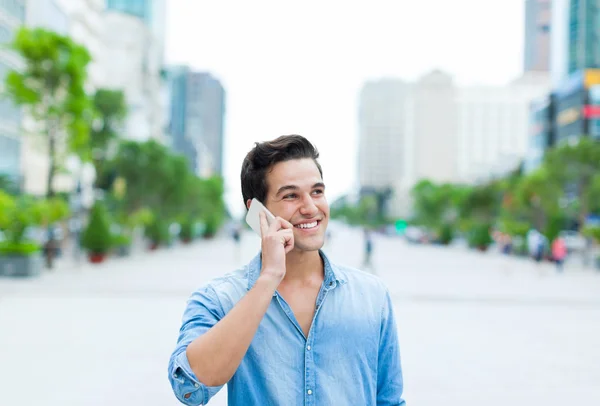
(296, 67)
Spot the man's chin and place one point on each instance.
(309, 246)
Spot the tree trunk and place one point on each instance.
(51, 243)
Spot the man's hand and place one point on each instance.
(216, 355)
(277, 241)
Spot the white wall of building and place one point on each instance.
(436, 130)
(134, 62)
(11, 17)
(559, 42)
(383, 131)
(434, 145)
(87, 27)
(493, 126)
(35, 162)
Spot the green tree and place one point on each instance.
(96, 237)
(153, 177)
(50, 86)
(8, 185)
(576, 168)
(534, 201)
(110, 112)
(212, 204)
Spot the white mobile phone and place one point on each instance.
(252, 217)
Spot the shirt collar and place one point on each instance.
(333, 275)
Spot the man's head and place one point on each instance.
(285, 176)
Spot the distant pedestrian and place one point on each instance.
(559, 253)
(237, 240)
(368, 251)
(536, 245)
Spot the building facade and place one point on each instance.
(197, 116)
(206, 120)
(435, 137)
(494, 126)
(583, 35)
(577, 99)
(559, 41)
(35, 162)
(434, 129)
(12, 15)
(541, 132)
(135, 66)
(138, 8)
(87, 27)
(385, 134)
(177, 96)
(538, 19)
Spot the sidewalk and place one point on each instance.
(475, 328)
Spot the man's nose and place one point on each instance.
(308, 207)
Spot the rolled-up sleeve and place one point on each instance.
(389, 371)
(203, 311)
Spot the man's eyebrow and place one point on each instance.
(294, 187)
(286, 187)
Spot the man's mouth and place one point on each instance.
(307, 226)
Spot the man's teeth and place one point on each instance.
(307, 225)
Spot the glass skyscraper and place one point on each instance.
(584, 35)
(138, 8)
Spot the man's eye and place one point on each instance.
(290, 196)
(318, 192)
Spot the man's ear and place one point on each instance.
(248, 202)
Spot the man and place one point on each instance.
(291, 328)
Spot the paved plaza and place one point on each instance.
(475, 329)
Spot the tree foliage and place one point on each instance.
(51, 86)
(110, 111)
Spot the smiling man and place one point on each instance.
(291, 327)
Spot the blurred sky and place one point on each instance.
(296, 67)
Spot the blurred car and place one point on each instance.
(574, 241)
(415, 235)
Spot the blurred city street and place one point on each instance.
(475, 329)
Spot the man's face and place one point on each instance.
(296, 193)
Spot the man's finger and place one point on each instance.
(264, 224)
(280, 223)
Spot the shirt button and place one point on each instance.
(308, 348)
(196, 385)
(309, 392)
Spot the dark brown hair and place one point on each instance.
(264, 155)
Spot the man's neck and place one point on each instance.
(303, 267)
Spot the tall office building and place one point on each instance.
(135, 39)
(584, 35)
(196, 123)
(559, 42)
(384, 123)
(433, 129)
(137, 8)
(87, 27)
(407, 132)
(151, 12)
(206, 115)
(494, 131)
(538, 18)
(12, 15)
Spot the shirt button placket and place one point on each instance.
(309, 378)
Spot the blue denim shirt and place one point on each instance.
(350, 357)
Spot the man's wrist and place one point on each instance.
(268, 281)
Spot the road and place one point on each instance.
(475, 329)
